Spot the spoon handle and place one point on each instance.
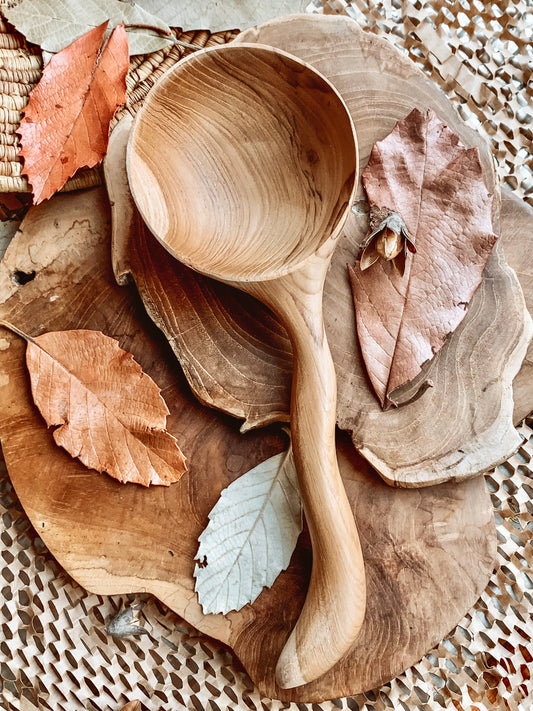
(334, 607)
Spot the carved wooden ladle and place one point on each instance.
(243, 163)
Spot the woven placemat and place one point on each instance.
(55, 652)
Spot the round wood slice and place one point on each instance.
(455, 419)
(517, 232)
(428, 552)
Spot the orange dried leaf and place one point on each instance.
(422, 174)
(107, 411)
(66, 122)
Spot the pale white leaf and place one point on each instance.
(250, 537)
(222, 15)
(54, 24)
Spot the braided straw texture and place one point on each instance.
(55, 652)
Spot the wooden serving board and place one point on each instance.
(455, 419)
(428, 552)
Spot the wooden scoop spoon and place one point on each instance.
(243, 163)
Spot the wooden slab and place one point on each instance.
(428, 552)
(455, 418)
(517, 239)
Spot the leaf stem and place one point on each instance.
(165, 33)
(16, 330)
(151, 28)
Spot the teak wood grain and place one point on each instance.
(237, 357)
(429, 552)
(243, 163)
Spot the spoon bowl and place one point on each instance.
(244, 185)
(243, 163)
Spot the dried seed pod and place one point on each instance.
(126, 623)
(387, 238)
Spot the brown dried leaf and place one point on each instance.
(66, 122)
(107, 411)
(425, 175)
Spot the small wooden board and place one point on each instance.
(428, 552)
(454, 421)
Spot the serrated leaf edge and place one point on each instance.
(282, 473)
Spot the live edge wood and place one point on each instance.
(259, 204)
(236, 356)
(517, 239)
(428, 552)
